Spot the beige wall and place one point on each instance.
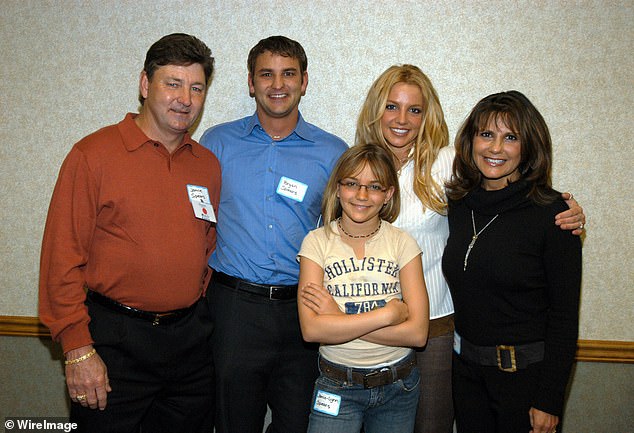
(69, 67)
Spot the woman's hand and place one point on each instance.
(542, 422)
(318, 299)
(398, 311)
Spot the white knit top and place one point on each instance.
(430, 230)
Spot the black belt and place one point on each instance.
(155, 317)
(368, 378)
(277, 293)
(505, 357)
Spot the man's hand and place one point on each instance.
(87, 380)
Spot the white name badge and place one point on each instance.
(293, 189)
(199, 198)
(328, 403)
(456, 342)
(204, 211)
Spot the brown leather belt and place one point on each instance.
(157, 318)
(367, 377)
(275, 293)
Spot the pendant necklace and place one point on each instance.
(357, 236)
(402, 162)
(475, 237)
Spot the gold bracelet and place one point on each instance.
(81, 358)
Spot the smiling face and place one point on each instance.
(362, 196)
(174, 98)
(277, 85)
(497, 152)
(402, 118)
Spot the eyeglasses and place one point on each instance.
(352, 186)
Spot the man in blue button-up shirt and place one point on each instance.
(274, 166)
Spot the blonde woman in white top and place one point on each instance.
(402, 113)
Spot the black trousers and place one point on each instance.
(487, 400)
(260, 358)
(161, 376)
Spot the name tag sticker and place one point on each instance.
(456, 342)
(198, 193)
(199, 198)
(328, 403)
(293, 189)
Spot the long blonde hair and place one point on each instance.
(433, 134)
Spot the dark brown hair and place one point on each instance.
(518, 114)
(178, 49)
(280, 45)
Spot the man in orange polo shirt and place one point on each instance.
(129, 231)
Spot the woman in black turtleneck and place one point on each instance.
(514, 276)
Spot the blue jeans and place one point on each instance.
(388, 408)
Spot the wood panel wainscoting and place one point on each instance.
(587, 350)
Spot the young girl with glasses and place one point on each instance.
(363, 297)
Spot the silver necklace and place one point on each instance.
(475, 237)
(402, 162)
(357, 236)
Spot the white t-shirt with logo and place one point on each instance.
(360, 285)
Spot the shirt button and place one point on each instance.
(270, 226)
